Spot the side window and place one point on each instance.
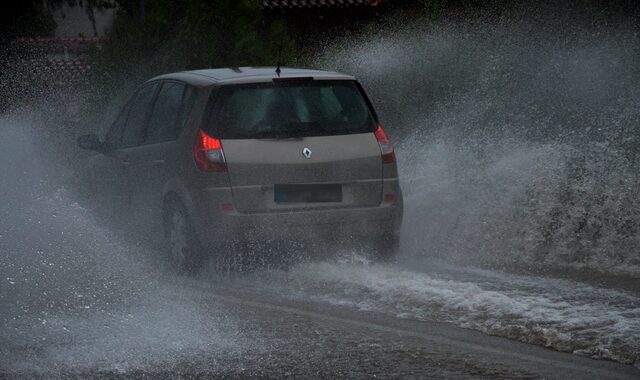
(134, 131)
(114, 134)
(170, 112)
(164, 117)
(188, 100)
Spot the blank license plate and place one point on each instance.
(307, 193)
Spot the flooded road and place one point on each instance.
(518, 150)
(81, 299)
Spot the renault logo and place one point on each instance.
(306, 152)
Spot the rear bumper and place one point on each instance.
(317, 225)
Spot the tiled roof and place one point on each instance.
(57, 71)
(59, 40)
(293, 4)
(56, 59)
(78, 45)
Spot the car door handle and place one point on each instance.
(157, 162)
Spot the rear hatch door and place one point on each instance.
(298, 145)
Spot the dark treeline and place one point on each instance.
(150, 37)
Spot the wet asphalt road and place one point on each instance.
(226, 332)
(178, 327)
(328, 341)
(80, 301)
(77, 301)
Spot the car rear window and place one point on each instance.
(291, 108)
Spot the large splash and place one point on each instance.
(517, 144)
(77, 298)
(517, 138)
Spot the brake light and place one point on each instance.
(386, 147)
(208, 153)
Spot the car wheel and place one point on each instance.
(184, 250)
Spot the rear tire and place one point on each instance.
(184, 251)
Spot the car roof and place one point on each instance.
(233, 75)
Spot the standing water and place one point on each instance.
(518, 144)
(518, 150)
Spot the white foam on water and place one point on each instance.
(561, 314)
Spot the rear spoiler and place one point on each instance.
(292, 79)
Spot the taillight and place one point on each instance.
(386, 148)
(208, 154)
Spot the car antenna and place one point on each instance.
(278, 71)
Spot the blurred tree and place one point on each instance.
(150, 37)
(26, 18)
(155, 36)
(89, 6)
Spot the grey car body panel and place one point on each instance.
(255, 166)
(162, 171)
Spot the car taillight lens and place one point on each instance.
(208, 153)
(386, 148)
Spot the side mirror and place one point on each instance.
(90, 142)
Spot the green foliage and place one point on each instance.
(435, 9)
(166, 36)
(90, 6)
(26, 18)
(151, 37)
(435, 6)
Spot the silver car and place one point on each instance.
(222, 156)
